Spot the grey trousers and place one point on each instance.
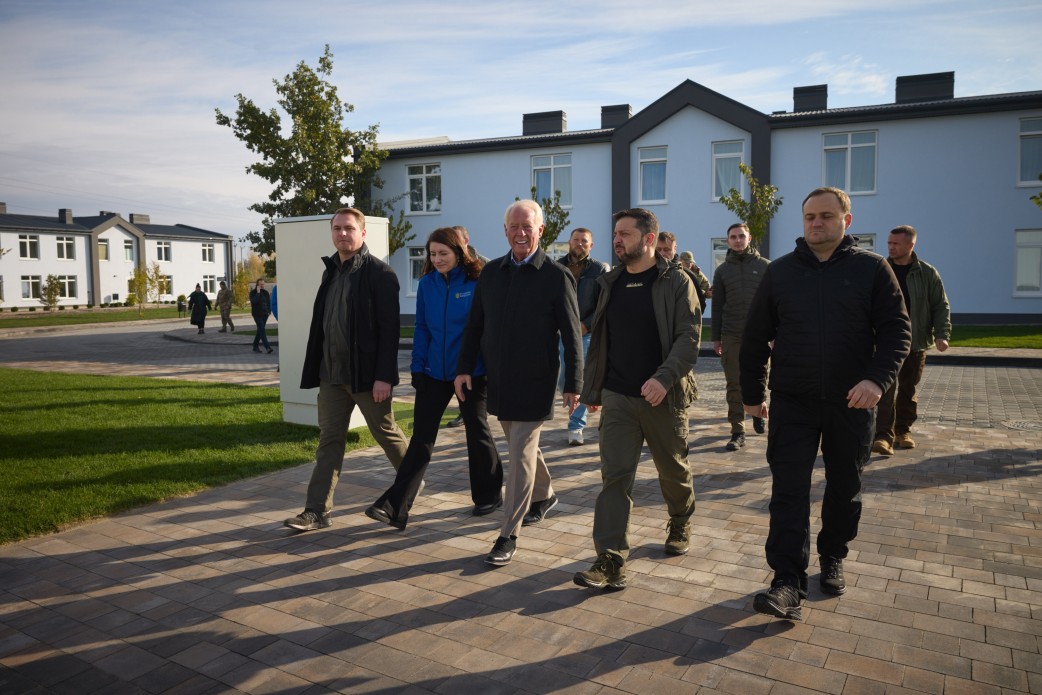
(527, 477)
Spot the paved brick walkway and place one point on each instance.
(209, 594)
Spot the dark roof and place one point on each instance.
(40, 223)
(86, 224)
(516, 142)
(181, 231)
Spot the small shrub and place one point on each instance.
(90, 306)
(61, 307)
(75, 306)
(32, 308)
(14, 308)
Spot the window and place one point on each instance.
(68, 286)
(553, 172)
(166, 282)
(30, 287)
(66, 248)
(207, 253)
(163, 251)
(29, 246)
(128, 250)
(1031, 151)
(1028, 278)
(417, 257)
(850, 161)
(726, 174)
(209, 283)
(558, 250)
(719, 254)
(865, 241)
(425, 188)
(103, 249)
(652, 174)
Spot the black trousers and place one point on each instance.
(797, 427)
(486, 469)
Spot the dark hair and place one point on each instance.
(906, 229)
(451, 237)
(841, 195)
(646, 221)
(743, 225)
(667, 236)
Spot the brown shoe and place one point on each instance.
(881, 446)
(905, 441)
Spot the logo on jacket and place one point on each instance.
(461, 295)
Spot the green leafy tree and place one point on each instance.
(761, 207)
(555, 218)
(313, 160)
(51, 292)
(241, 288)
(1036, 199)
(146, 284)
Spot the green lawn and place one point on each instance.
(76, 447)
(24, 318)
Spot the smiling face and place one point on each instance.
(824, 224)
(443, 258)
(522, 232)
(348, 235)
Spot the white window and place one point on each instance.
(417, 257)
(1031, 151)
(726, 174)
(128, 250)
(209, 284)
(1028, 277)
(558, 250)
(552, 172)
(207, 254)
(68, 286)
(652, 174)
(30, 287)
(103, 249)
(166, 283)
(850, 161)
(719, 254)
(29, 247)
(163, 251)
(865, 241)
(66, 248)
(425, 188)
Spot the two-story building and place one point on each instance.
(94, 257)
(960, 170)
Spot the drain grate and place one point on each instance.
(1027, 425)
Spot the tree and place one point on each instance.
(147, 283)
(1036, 199)
(315, 163)
(51, 292)
(555, 218)
(757, 212)
(241, 288)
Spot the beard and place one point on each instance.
(627, 256)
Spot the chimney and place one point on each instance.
(65, 215)
(614, 116)
(544, 122)
(138, 218)
(811, 98)
(104, 213)
(3, 208)
(929, 87)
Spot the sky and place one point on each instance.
(109, 104)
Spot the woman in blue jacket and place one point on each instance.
(443, 302)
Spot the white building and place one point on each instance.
(94, 257)
(960, 170)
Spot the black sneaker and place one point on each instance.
(308, 520)
(737, 441)
(502, 552)
(486, 509)
(458, 422)
(759, 425)
(832, 581)
(677, 542)
(782, 600)
(537, 512)
(380, 514)
(607, 573)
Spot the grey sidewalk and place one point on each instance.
(209, 594)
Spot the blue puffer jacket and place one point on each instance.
(442, 307)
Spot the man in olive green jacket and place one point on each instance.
(643, 346)
(930, 313)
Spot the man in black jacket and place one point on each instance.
(839, 330)
(522, 303)
(352, 357)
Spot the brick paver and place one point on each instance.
(210, 594)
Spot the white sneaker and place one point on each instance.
(575, 437)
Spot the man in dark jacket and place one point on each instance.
(734, 284)
(585, 270)
(523, 303)
(352, 357)
(839, 331)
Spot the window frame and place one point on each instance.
(866, 241)
(740, 156)
(664, 160)
(415, 254)
(68, 282)
(208, 253)
(65, 245)
(164, 251)
(1017, 247)
(848, 148)
(104, 252)
(209, 284)
(128, 250)
(718, 249)
(553, 168)
(31, 281)
(423, 177)
(1021, 137)
(29, 244)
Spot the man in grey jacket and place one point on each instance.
(643, 347)
(735, 283)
